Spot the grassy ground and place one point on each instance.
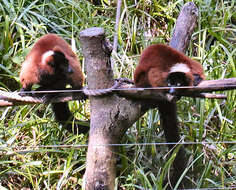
(142, 23)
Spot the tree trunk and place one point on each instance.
(111, 115)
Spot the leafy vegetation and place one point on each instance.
(142, 23)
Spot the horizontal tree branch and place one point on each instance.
(188, 91)
(129, 91)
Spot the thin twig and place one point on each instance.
(5, 103)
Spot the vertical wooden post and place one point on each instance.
(110, 115)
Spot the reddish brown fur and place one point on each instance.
(155, 64)
(32, 66)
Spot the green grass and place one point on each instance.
(213, 44)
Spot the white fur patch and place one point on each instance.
(46, 55)
(180, 67)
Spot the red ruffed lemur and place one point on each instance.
(52, 65)
(162, 66)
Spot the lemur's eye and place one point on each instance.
(51, 63)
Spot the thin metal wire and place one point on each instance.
(139, 144)
(132, 89)
(124, 144)
(212, 188)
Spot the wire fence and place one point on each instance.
(4, 149)
(212, 188)
(204, 143)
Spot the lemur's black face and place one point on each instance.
(62, 72)
(60, 64)
(177, 79)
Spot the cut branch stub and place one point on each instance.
(97, 58)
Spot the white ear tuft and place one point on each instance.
(46, 55)
(180, 67)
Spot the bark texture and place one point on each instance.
(184, 27)
(110, 115)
